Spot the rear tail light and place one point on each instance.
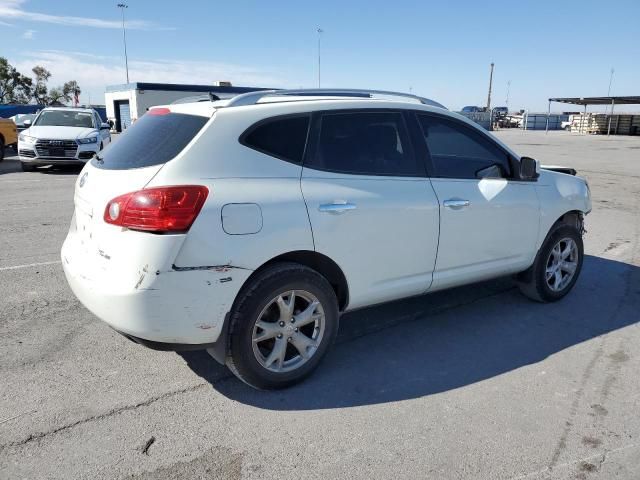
(161, 209)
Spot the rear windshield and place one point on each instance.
(152, 140)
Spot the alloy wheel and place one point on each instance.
(288, 331)
(561, 264)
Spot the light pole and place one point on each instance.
(320, 32)
(490, 84)
(122, 6)
(508, 88)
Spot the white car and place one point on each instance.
(247, 226)
(62, 136)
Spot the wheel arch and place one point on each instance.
(572, 218)
(322, 264)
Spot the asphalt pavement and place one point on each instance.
(472, 383)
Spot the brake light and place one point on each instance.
(159, 111)
(161, 209)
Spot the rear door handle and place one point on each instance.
(456, 203)
(337, 208)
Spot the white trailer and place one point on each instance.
(128, 102)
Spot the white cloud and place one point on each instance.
(28, 34)
(94, 72)
(13, 9)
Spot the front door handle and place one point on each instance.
(336, 208)
(456, 203)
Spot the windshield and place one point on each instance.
(62, 118)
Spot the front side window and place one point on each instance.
(65, 118)
(284, 138)
(459, 152)
(364, 143)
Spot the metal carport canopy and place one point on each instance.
(613, 101)
(633, 100)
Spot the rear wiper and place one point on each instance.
(99, 158)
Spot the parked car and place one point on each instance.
(259, 220)
(62, 136)
(473, 109)
(8, 135)
(21, 118)
(500, 111)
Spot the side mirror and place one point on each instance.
(105, 126)
(26, 123)
(529, 168)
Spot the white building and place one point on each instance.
(128, 102)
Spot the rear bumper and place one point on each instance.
(156, 305)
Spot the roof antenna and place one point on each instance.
(213, 97)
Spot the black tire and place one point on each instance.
(533, 282)
(27, 167)
(2, 148)
(254, 297)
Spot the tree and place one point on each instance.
(14, 87)
(40, 90)
(55, 96)
(70, 90)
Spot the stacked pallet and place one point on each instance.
(598, 124)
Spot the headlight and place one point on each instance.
(88, 140)
(26, 138)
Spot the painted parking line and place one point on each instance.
(29, 265)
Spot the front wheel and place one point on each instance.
(282, 326)
(556, 267)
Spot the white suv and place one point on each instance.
(246, 226)
(62, 136)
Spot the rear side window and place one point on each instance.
(152, 140)
(459, 152)
(365, 143)
(283, 138)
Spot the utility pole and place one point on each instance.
(320, 32)
(506, 103)
(122, 7)
(490, 84)
(609, 90)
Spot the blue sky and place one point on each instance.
(440, 50)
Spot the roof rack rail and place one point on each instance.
(207, 97)
(252, 98)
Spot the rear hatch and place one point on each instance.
(126, 165)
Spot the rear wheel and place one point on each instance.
(2, 147)
(281, 326)
(556, 267)
(26, 167)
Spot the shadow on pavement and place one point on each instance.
(447, 340)
(9, 165)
